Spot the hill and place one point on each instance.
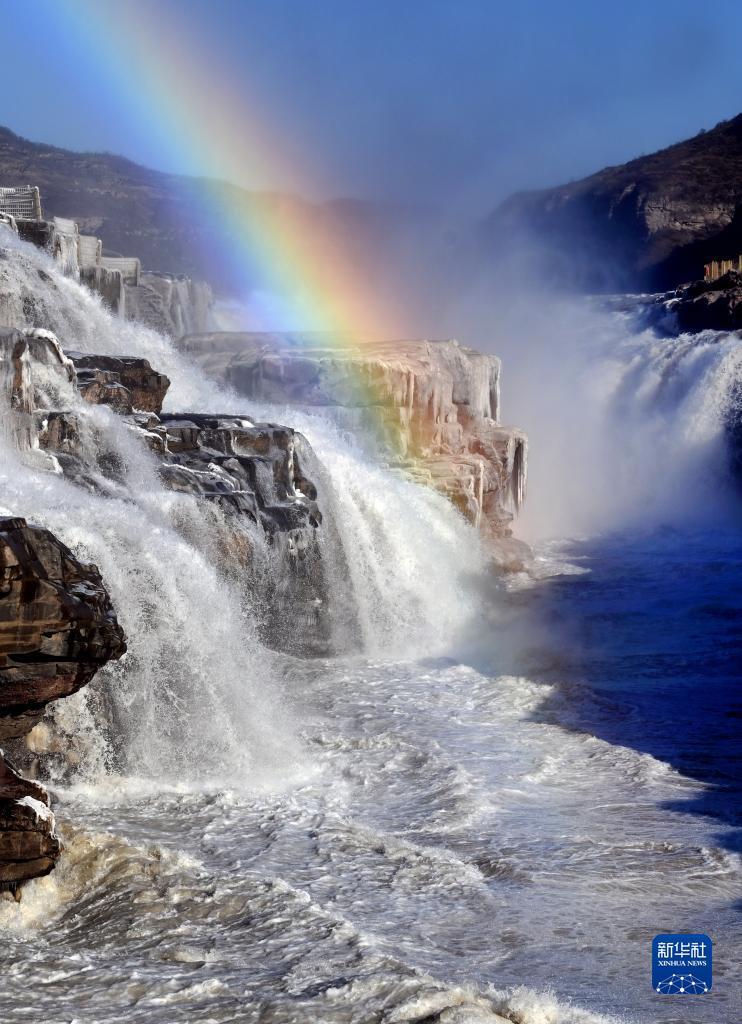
(154, 215)
(645, 225)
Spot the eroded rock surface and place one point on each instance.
(57, 628)
(124, 382)
(432, 405)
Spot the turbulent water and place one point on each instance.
(493, 807)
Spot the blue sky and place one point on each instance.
(451, 102)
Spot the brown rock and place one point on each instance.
(29, 845)
(124, 382)
(57, 627)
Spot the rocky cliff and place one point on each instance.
(57, 628)
(646, 225)
(432, 406)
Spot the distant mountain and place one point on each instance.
(648, 224)
(161, 217)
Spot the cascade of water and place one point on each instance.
(196, 696)
(633, 428)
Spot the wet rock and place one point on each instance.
(255, 467)
(700, 306)
(258, 477)
(57, 625)
(57, 628)
(29, 845)
(124, 382)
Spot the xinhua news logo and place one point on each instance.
(681, 965)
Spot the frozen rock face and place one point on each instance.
(432, 405)
(34, 375)
(58, 236)
(57, 628)
(173, 306)
(107, 283)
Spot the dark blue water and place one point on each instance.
(644, 651)
(651, 641)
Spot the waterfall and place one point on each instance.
(634, 430)
(198, 696)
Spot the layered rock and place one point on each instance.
(57, 628)
(124, 382)
(247, 467)
(29, 845)
(257, 476)
(433, 406)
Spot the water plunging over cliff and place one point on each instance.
(633, 430)
(400, 837)
(198, 695)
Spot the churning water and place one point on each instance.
(492, 808)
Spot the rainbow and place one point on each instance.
(176, 90)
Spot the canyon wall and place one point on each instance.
(646, 225)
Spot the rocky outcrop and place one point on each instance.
(432, 405)
(125, 383)
(699, 306)
(57, 628)
(642, 226)
(29, 845)
(257, 476)
(252, 468)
